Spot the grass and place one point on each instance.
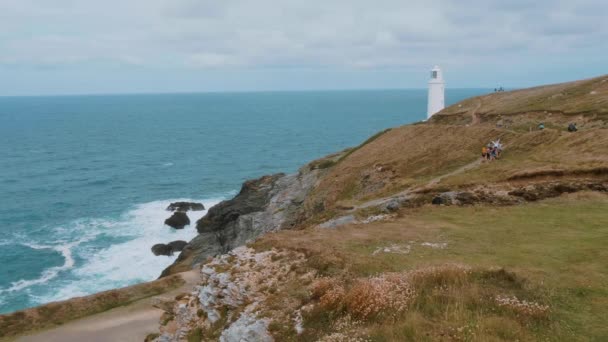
(585, 97)
(551, 253)
(366, 142)
(402, 157)
(548, 152)
(410, 156)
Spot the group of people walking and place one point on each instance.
(491, 151)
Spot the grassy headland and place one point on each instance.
(520, 255)
(551, 253)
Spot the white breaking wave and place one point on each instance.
(49, 273)
(124, 263)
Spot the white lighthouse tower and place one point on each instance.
(436, 92)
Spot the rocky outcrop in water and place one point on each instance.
(263, 205)
(185, 206)
(178, 220)
(178, 245)
(161, 249)
(168, 249)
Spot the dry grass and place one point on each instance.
(555, 286)
(460, 296)
(409, 157)
(400, 158)
(542, 155)
(585, 96)
(384, 296)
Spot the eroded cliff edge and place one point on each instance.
(266, 204)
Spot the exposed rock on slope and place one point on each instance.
(234, 289)
(263, 205)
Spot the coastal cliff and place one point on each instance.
(263, 205)
(411, 236)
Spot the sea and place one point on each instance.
(85, 180)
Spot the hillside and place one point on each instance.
(581, 101)
(411, 236)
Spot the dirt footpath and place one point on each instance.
(128, 323)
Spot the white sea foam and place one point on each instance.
(49, 273)
(128, 262)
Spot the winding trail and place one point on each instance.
(405, 194)
(474, 118)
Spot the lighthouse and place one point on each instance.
(436, 92)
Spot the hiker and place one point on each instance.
(572, 127)
(484, 153)
(541, 126)
(494, 153)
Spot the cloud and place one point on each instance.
(262, 34)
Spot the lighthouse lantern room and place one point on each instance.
(436, 92)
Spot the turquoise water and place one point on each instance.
(84, 180)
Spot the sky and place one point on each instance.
(51, 47)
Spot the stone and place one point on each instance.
(438, 200)
(266, 204)
(162, 249)
(394, 204)
(185, 206)
(247, 328)
(177, 246)
(178, 220)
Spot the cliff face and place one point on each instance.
(266, 204)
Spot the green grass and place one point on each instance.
(555, 251)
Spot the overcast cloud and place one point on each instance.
(77, 46)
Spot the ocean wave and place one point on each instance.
(50, 273)
(130, 260)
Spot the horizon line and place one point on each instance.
(238, 92)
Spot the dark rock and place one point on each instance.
(254, 196)
(177, 246)
(168, 249)
(517, 192)
(269, 203)
(185, 206)
(437, 200)
(561, 188)
(162, 249)
(178, 220)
